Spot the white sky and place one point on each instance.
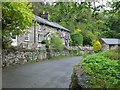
(97, 3)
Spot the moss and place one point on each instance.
(33, 61)
(74, 81)
(57, 57)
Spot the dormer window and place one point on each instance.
(40, 28)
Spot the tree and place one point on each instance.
(77, 38)
(16, 16)
(64, 13)
(114, 19)
(89, 17)
(39, 7)
(72, 16)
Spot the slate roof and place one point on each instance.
(111, 41)
(49, 23)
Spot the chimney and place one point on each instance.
(45, 15)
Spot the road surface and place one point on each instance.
(45, 74)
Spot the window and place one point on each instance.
(14, 40)
(13, 36)
(27, 37)
(44, 28)
(39, 37)
(40, 27)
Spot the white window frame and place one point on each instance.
(39, 37)
(40, 27)
(14, 41)
(28, 36)
(14, 36)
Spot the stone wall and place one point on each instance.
(79, 79)
(21, 57)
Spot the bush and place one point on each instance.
(103, 72)
(44, 42)
(111, 55)
(77, 38)
(56, 42)
(96, 46)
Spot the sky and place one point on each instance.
(100, 2)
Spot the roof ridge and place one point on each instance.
(50, 23)
(111, 40)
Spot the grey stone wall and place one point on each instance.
(79, 79)
(21, 57)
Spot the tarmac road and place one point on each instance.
(45, 74)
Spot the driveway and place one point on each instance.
(45, 74)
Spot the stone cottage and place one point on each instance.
(109, 43)
(38, 32)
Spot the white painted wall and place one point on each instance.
(14, 42)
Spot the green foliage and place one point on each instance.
(113, 19)
(94, 22)
(44, 42)
(103, 72)
(16, 16)
(56, 42)
(39, 7)
(77, 38)
(62, 13)
(47, 42)
(88, 36)
(113, 55)
(96, 46)
(72, 15)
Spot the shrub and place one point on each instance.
(77, 39)
(103, 72)
(111, 55)
(44, 42)
(96, 46)
(56, 42)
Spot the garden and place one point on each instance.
(100, 70)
